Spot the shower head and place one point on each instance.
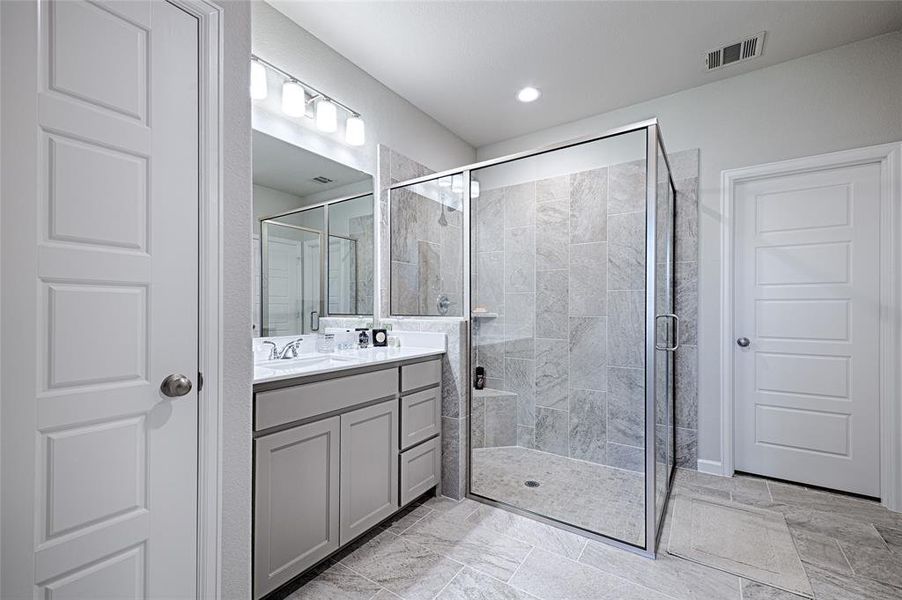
(442, 220)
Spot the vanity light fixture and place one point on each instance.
(528, 94)
(294, 99)
(258, 81)
(457, 184)
(296, 95)
(326, 115)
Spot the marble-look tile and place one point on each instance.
(626, 329)
(821, 551)
(451, 466)
(490, 356)
(683, 164)
(477, 547)
(519, 378)
(470, 584)
(403, 225)
(477, 422)
(686, 387)
(402, 168)
(501, 421)
(627, 187)
(879, 564)
(451, 258)
(489, 292)
(686, 300)
(588, 353)
(667, 574)
(588, 279)
(552, 304)
(752, 590)
(552, 373)
(552, 577)
(519, 325)
(828, 585)
(406, 517)
(831, 524)
(526, 436)
(429, 277)
(546, 537)
(588, 213)
(588, 426)
(408, 569)
(553, 188)
(841, 504)
(552, 431)
(892, 537)
(520, 205)
(686, 219)
(552, 235)
(626, 406)
(626, 251)
(336, 582)
(404, 289)
(686, 448)
(630, 458)
(519, 260)
(489, 221)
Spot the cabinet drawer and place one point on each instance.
(420, 469)
(286, 405)
(420, 375)
(420, 416)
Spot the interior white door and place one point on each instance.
(807, 310)
(100, 299)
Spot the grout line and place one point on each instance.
(511, 578)
(846, 558)
(462, 567)
(582, 551)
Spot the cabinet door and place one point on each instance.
(296, 503)
(369, 467)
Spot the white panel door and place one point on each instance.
(807, 296)
(100, 304)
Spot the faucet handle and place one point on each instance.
(274, 351)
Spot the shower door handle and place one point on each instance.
(676, 332)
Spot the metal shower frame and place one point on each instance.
(653, 141)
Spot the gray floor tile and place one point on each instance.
(752, 590)
(892, 537)
(821, 551)
(874, 563)
(473, 585)
(832, 586)
(475, 546)
(337, 582)
(529, 531)
(406, 518)
(403, 567)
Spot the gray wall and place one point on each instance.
(843, 98)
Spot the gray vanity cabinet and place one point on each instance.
(296, 507)
(369, 467)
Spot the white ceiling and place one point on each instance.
(463, 62)
(287, 168)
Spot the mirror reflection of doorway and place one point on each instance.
(292, 279)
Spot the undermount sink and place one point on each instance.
(303, 361)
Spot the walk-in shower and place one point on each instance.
(568, 273)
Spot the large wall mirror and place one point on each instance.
(313, 239)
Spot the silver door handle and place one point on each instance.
(676, 332)
(743, 342)
(175, 385)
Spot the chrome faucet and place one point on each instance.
(291, 347)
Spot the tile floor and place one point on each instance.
(595, 497)
(446, 550)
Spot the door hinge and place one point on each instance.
(200, 381)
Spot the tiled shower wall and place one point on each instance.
(560, 274)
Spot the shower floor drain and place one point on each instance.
(532, 483)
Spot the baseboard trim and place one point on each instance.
(711, 467)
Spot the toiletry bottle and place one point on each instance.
(479, 382)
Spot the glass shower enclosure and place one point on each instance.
(568, 266)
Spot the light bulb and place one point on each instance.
(355, 131)
(326, 115)
(457, 184)
(293, 99)
(528, 94)
(258, 81)
(474, 188)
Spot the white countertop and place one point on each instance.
(316, 364)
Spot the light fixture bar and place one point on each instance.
(313, 91)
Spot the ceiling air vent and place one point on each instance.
(321, 179)
(735, 52)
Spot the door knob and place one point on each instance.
(175, 385)
(743, 342)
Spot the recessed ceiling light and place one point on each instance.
(528, 94)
